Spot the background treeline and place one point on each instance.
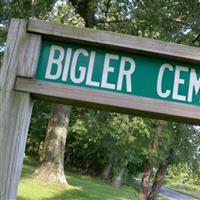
(100, 141)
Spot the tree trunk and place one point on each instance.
(148, 167)
(52, 164)
(117, 182)
(87, 10)
(106, 171)
(145, 181)
(160, 174)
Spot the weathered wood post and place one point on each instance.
(20, 58)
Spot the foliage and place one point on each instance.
(64, 13)
(95, 137)
(37, 129)
(182, 174)
(24, 9)
(20, 9)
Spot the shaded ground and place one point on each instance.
(81, 188)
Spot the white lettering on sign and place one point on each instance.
(55, 62)
(65, 64)
(179, 81)
(82, 69)
(78, 74)
(126, 73)
(193, 87)
(108, 69)
(160, 79)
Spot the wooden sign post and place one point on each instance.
(20, 59)
(89, 68)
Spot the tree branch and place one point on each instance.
(107, 21)
(107, 8)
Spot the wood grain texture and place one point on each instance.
(20, 58)
(116, 41)
(109, 101)
(6, 86)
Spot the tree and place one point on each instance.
(25, 9)
(40, 9)
(182, 148)
(52, 167)
(106, 143)
(128, 133)
(143, 18)
(52, 161)
(153, 147)
(159, 177)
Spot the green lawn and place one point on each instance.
(80, 188)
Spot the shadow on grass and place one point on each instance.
(81, 188)
(27, 171)
(29, 167)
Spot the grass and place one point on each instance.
(80, 188)
(162, 198)
(193, 191)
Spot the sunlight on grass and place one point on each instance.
(34, 189)
(162, 198)
(80, 188)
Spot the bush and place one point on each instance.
(182, 174)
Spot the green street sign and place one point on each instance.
(119, 72)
